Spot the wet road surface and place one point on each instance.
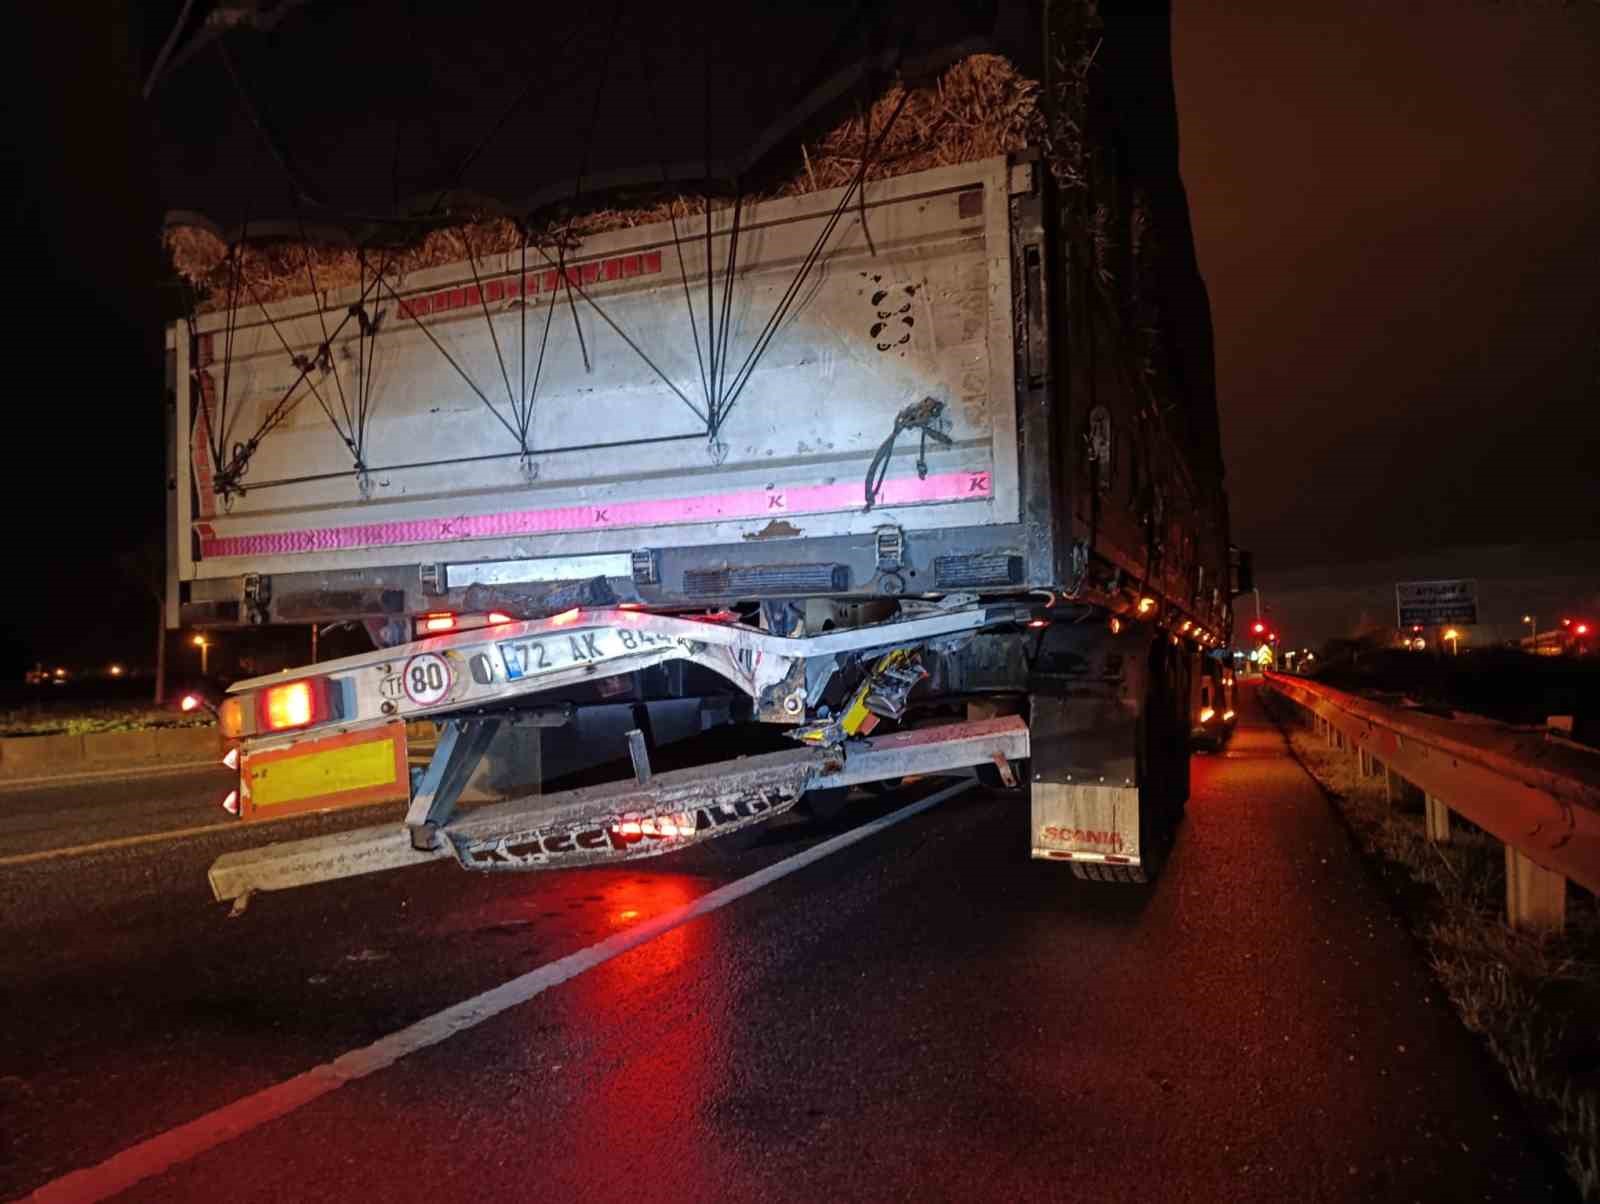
(924, 1014)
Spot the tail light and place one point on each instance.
(1227, 716)
(497, 617)
(293, 704)
(190, 702)
(442, 621)
(1207, 714)
(632, 828)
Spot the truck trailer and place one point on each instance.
(914, 473)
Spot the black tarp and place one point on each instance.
(344, 114)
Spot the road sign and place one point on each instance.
(1436, 603)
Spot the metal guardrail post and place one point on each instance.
(1536, 898)
(1436, 819)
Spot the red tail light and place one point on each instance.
(293, 704)
(565, 617)
(497, 617)
(439, 622)
(189, 703)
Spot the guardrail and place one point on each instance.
(1539, 797)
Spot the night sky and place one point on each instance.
(1396, 214)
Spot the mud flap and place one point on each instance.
(1102, 720)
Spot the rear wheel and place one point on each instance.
(1091, 871)
(824, 805)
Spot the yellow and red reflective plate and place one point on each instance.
(319, 774)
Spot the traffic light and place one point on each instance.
(1259, 628)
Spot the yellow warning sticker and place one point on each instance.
(362, 766)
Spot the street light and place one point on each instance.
(201, 643)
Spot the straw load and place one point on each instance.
(981, 106)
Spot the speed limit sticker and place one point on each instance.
(427, 678)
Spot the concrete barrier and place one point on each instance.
(34, 756)
(190, 744)
(110, 748)
(50, 756)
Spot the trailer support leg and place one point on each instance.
(462, 744)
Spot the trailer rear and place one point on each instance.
(922, 470)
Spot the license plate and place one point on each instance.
(550, 653)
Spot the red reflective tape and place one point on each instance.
(652, 262)
(630, 265)
(551, 279)
(458, 298)
(718, 507)
(611, 269)
(497, 290)
(591, 272)
(440, 301)
(474, 295)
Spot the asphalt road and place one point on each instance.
(40, 816)
(924, 1014)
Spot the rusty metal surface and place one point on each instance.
(624, 820)
(1535, 795)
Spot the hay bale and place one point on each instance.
(980, 107)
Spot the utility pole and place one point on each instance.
(161, 649)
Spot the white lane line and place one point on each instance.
(166, 1150)
(127, 842)
(138, 771)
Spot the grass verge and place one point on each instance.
(1532, 998)
(81, 719)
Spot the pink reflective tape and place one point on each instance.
(716, 507)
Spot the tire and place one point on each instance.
(1091, 871)
(825, 806)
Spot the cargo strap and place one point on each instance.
(923, 416)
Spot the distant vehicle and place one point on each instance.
(944, 440)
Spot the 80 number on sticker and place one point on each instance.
(427, 678)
